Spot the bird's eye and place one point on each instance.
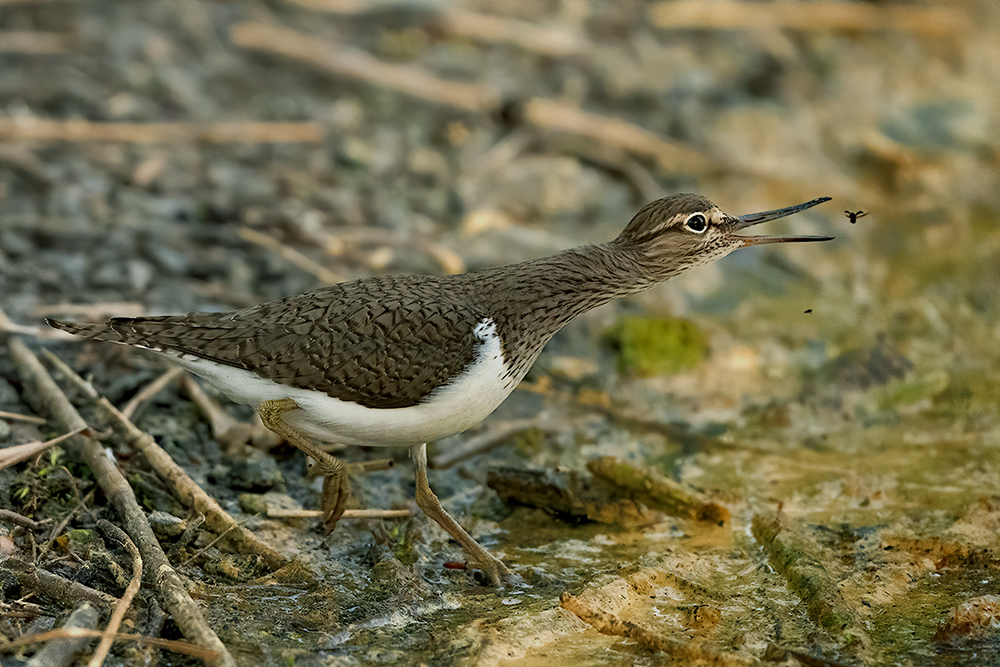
(696, 223)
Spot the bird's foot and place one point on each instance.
(336, 486)
(333, 502)
(493, 568)
(271, 413)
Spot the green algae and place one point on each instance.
(649, 346)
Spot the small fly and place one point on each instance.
(855, 215)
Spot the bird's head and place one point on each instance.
(682, 231)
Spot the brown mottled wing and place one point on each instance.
(379, 342)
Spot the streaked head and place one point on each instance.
(682, 231)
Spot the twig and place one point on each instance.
(799, 562)
(354, 64)
(225, 429)
(152, 389)
(562, 117)
(491, 438)
(943, 21)
(61, 651)
(240, 132)
(169, 586)
(52, 586)
(657, 491)
(421, 83)
(12, 455)
(187, 491)
(14, 416)
(8, 326)
(290, 254)
(184, 648)
(335, 244)
(216, 540)
(358, 467)
(114, 532)
(33, 43)
(58, 528)
(488, 28)
(348, 514)
(494, 29)
(21, 520)
(685, 652)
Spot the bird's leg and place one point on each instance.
(336, 486)
(431, 506)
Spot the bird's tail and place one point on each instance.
(99, 331)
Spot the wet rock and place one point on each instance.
(568, 496)
(865, 368)
(166, 525)
(977, 618)
(8, 395)
(256, 471)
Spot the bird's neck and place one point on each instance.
(533, 300)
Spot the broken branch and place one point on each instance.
(171, 589)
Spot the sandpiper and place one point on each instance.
(403, 360)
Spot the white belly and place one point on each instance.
(451, 409)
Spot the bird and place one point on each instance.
(404, 360)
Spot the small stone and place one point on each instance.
(8, 395)
(256, 472)
(253, 503)
(166, 525)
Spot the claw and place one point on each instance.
(336, 491)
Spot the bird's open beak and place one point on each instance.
(751, 219)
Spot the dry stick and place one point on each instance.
(21, 520)
(183, 486)
(61, 651)
(800, 563)
(494, 29)
(562, 117)
(12, 455)
(354, 64)
(489, 28)
(290, 254)
(7, 326)
(683, 651)
(336, 244)
(944, 21)
(168, 584)
(32, 43)
(151, 390)
(14, 416)
(49, 585)
(114, 532)
(241, 132)
(184, 648)
(419, 82)
(348, 514)
(225, 429)
(657, 491)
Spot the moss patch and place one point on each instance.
(648, 346)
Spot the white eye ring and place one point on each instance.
(696, 223)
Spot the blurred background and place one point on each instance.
(165, 157)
